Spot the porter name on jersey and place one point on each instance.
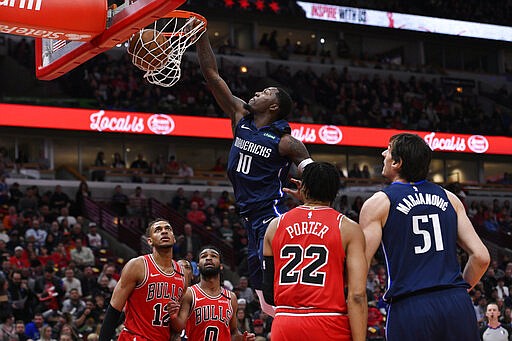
(307, 227)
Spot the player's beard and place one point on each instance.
(209, 272)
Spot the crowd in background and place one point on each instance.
(58, 271)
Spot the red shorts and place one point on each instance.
(311, 327)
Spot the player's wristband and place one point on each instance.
(268, 279)
(304, 163)
(110, 323)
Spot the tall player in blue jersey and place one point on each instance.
(419, 225)
(260, 156)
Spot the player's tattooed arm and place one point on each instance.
(293, 149)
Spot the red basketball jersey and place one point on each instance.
(146, 308)
(209, 316)
(309, 262)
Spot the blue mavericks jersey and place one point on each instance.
(419, 240)
(255, 168)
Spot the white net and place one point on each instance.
(158, 49)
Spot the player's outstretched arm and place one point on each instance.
(468, 240)
(372, 219)
(231, 105)
(356, 267)
(132, 274)
(180, 311)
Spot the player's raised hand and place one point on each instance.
(294, 192)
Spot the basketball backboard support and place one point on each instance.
(57, 57)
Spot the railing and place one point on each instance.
(201, 177)
(125, 230)
(157, 209)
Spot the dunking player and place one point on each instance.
(208, 311)
(419, 225)
(146, 286)
(307, 251)
(260, 156)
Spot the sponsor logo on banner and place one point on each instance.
(122, 124)
(304, 134)
(478, 144)
(330, 134)
(454, 143)
(161, 124)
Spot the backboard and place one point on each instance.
(55, 57)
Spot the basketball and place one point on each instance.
(149, 50)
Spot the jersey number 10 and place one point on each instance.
(244, 163)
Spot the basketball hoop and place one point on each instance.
(160, 56)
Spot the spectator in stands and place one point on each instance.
(140, 163)
(195, 215)
(20, 259)
(99, 174)
(119, 201)
(94, 239)
(74, 304)
(28, 203)
(137, 203)
(20, 296)
(37, 234)
(244, 290)
(64, 215)
(48, 289)
(70, 282)
(180, 202)
(196, 197)
(185, 171)
(33, 328)
(59, 199)
(81, 254)
(225, 200)
(109, 272)
(355, 172)
(208, 198)
(118, 162)
(158, 166)
(10, 218)
(82, 193)
(188, 241)
(15, 194)
(20, 331)
(172, 166)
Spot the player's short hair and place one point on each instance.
(153, 222)
(321, 181)
(285, 103)
(414, 153)
(210, 247)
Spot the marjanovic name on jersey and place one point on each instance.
(421, 199)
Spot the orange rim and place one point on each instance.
(185, 14)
